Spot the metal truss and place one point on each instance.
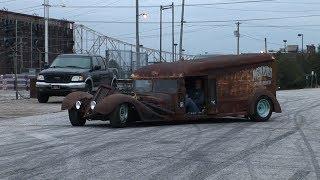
(89, 41)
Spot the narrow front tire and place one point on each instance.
(76, 118)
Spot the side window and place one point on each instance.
(94, 62)
(101, 63)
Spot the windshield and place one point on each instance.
(159, 86)
(143, 85)
(72, 62)
(165, 86)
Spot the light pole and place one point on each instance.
(161, 9)
(301, 35)
(181, 30)
(175, 51)
(237, 34)
(137, 34)
(285, 45)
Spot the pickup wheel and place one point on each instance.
(75, 118)
(120, 116)
(88, 88)
(42, 98)
(262, 109)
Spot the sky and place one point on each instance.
(199, 37)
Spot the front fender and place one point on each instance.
(109, 104)
(259, 93)
(70, 100)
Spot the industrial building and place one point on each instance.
(22, 37)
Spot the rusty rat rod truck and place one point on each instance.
(224, 86)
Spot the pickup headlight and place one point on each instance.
(77, 78)
(40, 78)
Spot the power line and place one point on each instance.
(263, 10)
(258, 39)
(203, 21)
(7, 1)
(156, 6)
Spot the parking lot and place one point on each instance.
(40, 143)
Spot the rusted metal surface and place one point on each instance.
(70, 100)
(109, 103)
(200, 66)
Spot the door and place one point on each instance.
(95, 72)
(105, 75)
(196, 95)
(212, 101)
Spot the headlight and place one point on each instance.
(93, 105)
(78, 105)
(77, 78)
(40, 78)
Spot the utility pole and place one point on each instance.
(181, 30)
(285, 45)
(302, 42)
(172, 6)
(46, 38)
(161, 19)
(237, 34)
(137, 35)
(31, 44)
(265, 45)
(161, 33)
(21, 54)
(175, 51)
(16, 62)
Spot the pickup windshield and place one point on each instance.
(72, 62)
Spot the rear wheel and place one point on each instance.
(76, 118)
(262, 110)
(120, 116)
(42, 98)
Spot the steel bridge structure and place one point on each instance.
(89, 41)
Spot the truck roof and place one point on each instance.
(199, 66)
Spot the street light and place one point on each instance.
(285, 45)
(161, 9)
(301, 35)
(144, 15)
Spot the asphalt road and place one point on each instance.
(286, 147)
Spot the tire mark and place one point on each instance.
(227, 136)
(309, 147)
(216, 167)
(300, 175)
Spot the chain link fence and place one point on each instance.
(125, 61)
(8, 89)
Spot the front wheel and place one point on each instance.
(262, 110)
(120, 116)
(76, 118)
(43, 98)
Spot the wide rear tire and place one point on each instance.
(120, 116)
(263, 109)
(75, 118)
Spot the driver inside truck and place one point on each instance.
(195, 98)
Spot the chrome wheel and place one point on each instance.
(263, 108)
(123, 113)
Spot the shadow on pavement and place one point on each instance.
(106, 124)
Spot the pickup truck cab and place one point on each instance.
(72, 72)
